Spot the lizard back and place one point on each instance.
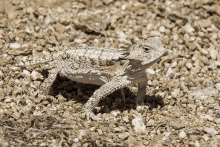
(94, 65)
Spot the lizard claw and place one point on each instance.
(90, 114)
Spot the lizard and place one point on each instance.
(110, 68)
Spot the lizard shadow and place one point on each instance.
(81, 92)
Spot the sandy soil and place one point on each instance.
(182, 104)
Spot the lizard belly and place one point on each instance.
(88, 78)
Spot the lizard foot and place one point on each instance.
(90, 114)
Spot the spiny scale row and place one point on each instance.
(99, 56)
(97, 53)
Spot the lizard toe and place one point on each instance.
(90, 115)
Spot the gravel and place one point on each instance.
(182, 105)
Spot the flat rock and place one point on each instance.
(204, 23)
(138, 124)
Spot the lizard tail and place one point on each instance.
(32, 63)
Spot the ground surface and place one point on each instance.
(182, 105)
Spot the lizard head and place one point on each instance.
(147, 52)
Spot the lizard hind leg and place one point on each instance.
(123, 95)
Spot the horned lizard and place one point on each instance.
(110, 68)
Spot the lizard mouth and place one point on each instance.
(149, 64)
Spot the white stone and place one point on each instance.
(121, 34)
(150, 82)
(212, 47)
(182, 134)
(155, 33)
(162, 29)
(96, 40)
(218, 137)
(30, 10)
(1, 74)
(15, 45)
(175, 93)
(76, 140)
(82, 132)
(138, 124)
(217, 62)
(214, 36)
(168, 3)
(167, 134)
(175, 36)
(27, 30)
(162, 94)
(192, 38)
(117, 129)
(125, 119)
(208, 117)
(174, 64)
(213, 66)
(8, 100)
(29, 102)
(37, 113)
(213, 54)
(150, 123)
(24, 45)
(150, 26)
(41, 17)
(51, 49)
(92, 129)
(26, 72)
(151, 71)
(206, 137)
(32, 85)
(114, 113)
(139, 108)
(189, 65)
(13, 68)
(123, 7)
(123, 136)
(60, 9)
(170, 72)
(189, 28)
(36, 75)
(78, 41)
(24, 59)
(17, 81)
(197, 143)
(47, 20)
(204, 51)
(210, 131)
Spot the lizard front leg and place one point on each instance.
(45, 86)
(141, 91)
(104, 90)
(56, 68)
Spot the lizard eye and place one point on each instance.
(146, 49)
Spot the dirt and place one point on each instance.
(182, 103)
